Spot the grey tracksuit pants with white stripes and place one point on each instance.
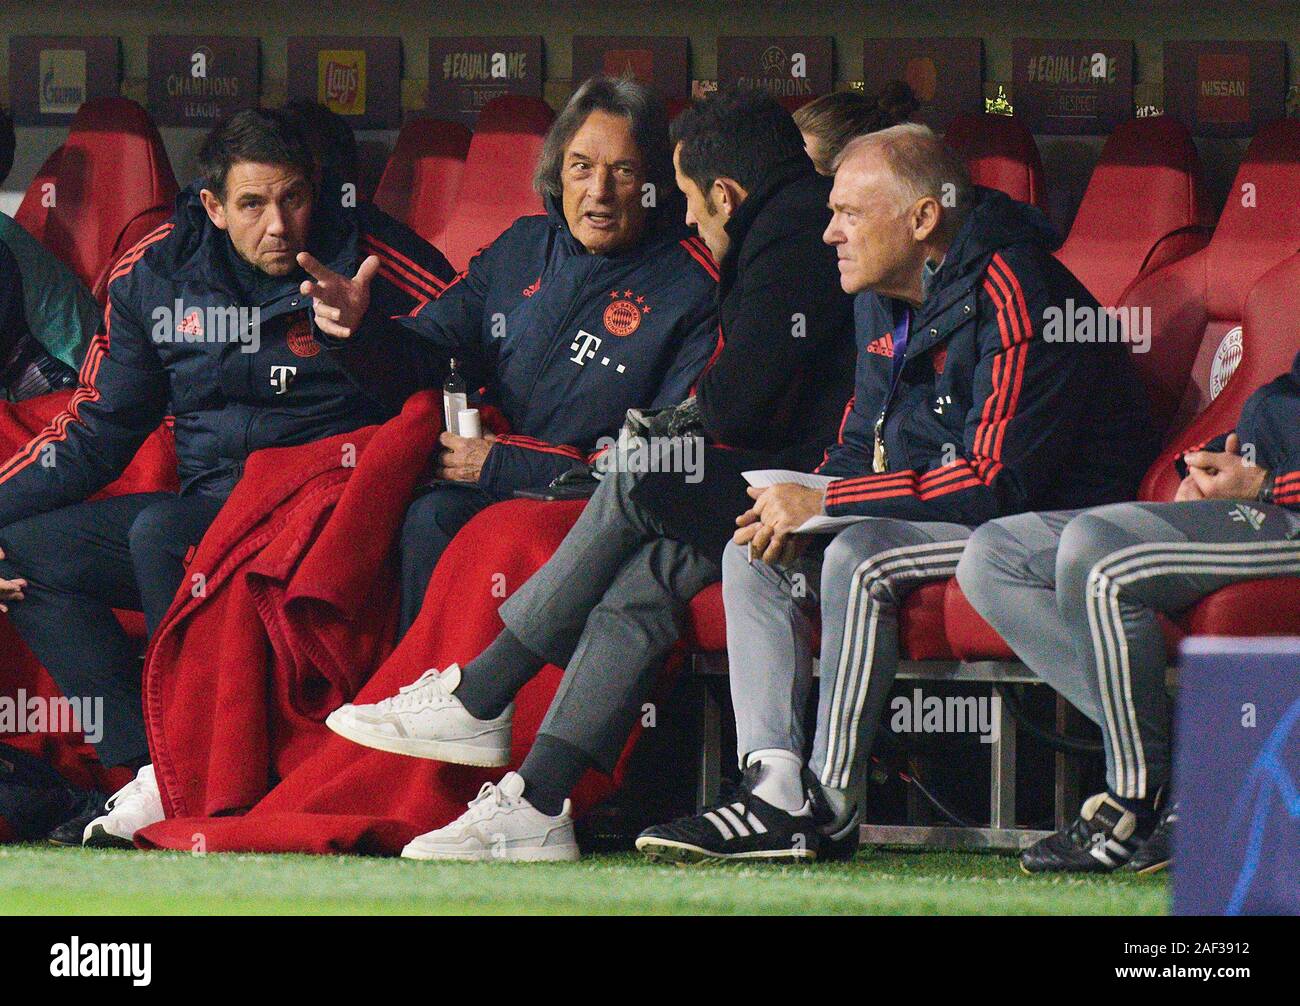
(1076, 594)
(607, 607)
(858, 584)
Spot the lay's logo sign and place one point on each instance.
(341, 80)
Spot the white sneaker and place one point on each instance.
(500, 826)
(425, 720)
(136, 805)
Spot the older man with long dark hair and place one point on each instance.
(568, 320)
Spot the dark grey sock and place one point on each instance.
(489, 682)
(1144, 808)
(551, 770)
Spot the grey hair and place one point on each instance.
(921, 165)
(623, 96)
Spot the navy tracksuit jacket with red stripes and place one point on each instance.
(983, 416)
(564, 342)
(160, 351)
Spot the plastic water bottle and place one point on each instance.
(453, 400)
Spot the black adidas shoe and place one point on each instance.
(743, 828)
(1102, 838)
(71, 831)
(1153, 855)
(837, 844)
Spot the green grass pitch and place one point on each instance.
(45, 880)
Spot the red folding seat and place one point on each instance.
(113, 186)
(497, 186)
(1270, 339)
(1000, 153)
(1196, 303)
(793, 102)
(33, 211)
(1265, 345)
(676, 106)
(423, 173)
(1145, 206)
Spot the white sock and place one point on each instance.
(780, 782)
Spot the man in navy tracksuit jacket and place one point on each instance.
(964, 410)
(1078, 595)
(563, 328)
(208, 325)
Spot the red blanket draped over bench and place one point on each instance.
(238, 683)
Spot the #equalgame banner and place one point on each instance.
(468, 71)
(359, 77)
(662, 62)
(947, 74)
(795, 69)
(1225, 88)
(1072, 87)
(1237, 778)
(51, 75)
(195, 80)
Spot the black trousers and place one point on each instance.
(431, 522)
(81, 562)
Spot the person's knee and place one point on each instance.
(18, 541)
(739, 573)
(431, 522)
(1085, 542)
(984, 554)
(156, 530)
(855, 557)
(28, 554)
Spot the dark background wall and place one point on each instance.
(1068, 160)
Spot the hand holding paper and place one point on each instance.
(816, 522)
(778, 510)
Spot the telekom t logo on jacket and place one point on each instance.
(281, 378)
(585, 345)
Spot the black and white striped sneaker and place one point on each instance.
(743, 827)
(1102, 838)
(1154, 854)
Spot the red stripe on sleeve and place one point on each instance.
(702, 257)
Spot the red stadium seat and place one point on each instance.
(33, 211)
(497, 186)
(1267, 341)
(706, 623)
(1249, 608)
(792, 103)
(422, 176)
(1145, 206)
(1196, 303)
(676, 106)
(114, 185)
(1270, 339)
(1001, 154)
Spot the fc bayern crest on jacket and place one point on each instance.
(623, 315)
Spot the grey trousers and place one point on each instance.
(607, 607)
(857, 583)
(1076, 595)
